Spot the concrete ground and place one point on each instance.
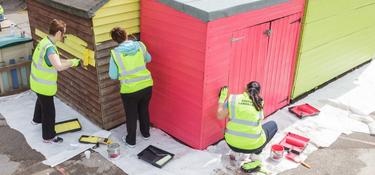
(349, 155)
(15, 13)
(17, 158)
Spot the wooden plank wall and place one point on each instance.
(116, 13)
(78, 88)
(176, 42)
(337, 36)
(111, 104)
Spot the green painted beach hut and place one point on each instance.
(337, 36)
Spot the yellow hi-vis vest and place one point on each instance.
(244, 128)
(134, 75)
(1, 10)
(43, 79)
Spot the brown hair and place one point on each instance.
(119, 35)
(55, 26)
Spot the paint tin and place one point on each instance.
(277, 152)
(113, 150)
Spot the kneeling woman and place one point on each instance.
(244, 130)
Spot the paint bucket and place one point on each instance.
(113, 150)
(277, 152)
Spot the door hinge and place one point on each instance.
(267, 32)
(237, 39)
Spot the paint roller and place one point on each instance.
(294, 142)
(163, 160)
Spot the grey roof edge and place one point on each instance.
(200, 14)
(211, 16)
(74, 10)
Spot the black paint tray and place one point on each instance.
(155, 156)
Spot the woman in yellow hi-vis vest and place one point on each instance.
(244, 130)
(43, 79)
(128, 64)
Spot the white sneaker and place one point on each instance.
(34, 123)
(146, 138)
(123, 138)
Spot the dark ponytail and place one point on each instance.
(253, 89)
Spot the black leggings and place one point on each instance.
(45, 113)
(136, 107)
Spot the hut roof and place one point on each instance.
(82, 8)
(209, 10)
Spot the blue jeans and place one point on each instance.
(270, 129)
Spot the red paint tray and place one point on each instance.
(304, 110)
(294, 143)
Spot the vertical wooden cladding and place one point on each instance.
(77, 87)
(177, 45)
(279, 70)
(238, 51)
(193, 59)
(124, 13)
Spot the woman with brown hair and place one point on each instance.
(46, 63)
(128, 64)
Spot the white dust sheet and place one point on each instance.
(354, 91)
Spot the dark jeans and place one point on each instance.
(270, 129)
(136, 107)
(45, 113)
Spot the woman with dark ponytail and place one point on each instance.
(253, 89)
(245, 132)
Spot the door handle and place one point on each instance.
(237, 39)
(267, 32)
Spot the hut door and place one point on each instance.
(249, 52)
(266, 53)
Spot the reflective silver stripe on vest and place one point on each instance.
(239, 121)
(135, 79)
(123, 70)
(232, 107)
(119, 60)
(138, 69)
(40, 61)
(241, 134)
(43, 81)
(244, 122)
(41, 68)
